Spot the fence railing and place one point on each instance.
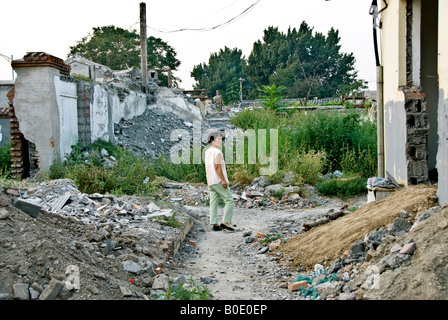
(311, 103)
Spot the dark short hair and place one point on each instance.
(213, 135)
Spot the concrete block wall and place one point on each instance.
(85, 98)
(417, 126)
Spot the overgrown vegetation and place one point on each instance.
(5, 159)
(316, 143)
(128, 174)
(342, 187)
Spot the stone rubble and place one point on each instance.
(124, 231)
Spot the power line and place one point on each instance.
(214, 14)
(211, 28)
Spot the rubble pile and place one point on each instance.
(167, 122)
(385, 265)
(251, 197)
(150, 134)
(51, 234)
(403, 259)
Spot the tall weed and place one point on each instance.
(318, 141)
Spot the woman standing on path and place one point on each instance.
(217, 182)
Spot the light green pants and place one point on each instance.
(216, 191)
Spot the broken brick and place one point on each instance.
(369, 256)
(408, 248)
(260, 235)
(294, 286)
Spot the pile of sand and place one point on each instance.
(327, 242)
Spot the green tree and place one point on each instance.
(222, 67)
(271, 96)
(266, 57)
(306, 64)
(119, 49)
(232, 92)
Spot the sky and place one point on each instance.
(53, 26)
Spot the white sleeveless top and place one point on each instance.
(212, 176)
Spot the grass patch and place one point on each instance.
(5, 159)
(168, 221)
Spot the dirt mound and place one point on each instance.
(327, 242)
(426, 276)
(35, 252)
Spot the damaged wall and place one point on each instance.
(414, 52)
(5, 87)
(101, 106)
(66, 99)
(55, 110)
(36, 103)
(47, 101)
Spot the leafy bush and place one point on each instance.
(307, 165)
(342, 187)
(271, 96)
(189, 291)
(335, 133)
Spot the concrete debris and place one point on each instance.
(4, 214)
(29, 207)
(76, 237)
(72, 281)
(53, 289)
(370, 267)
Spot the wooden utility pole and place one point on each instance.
(143, 45)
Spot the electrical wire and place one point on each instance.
(211, 28)
(214, 14)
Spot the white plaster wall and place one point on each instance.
(393, 58)
(66, 98)
(442, 153)
(395, 140)
(107, 109)
(37, 111)
(168, 101)
(133, 105)
(99, 114)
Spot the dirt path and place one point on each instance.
(231, 266)
(222, 261)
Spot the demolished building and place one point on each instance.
(55, 104)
